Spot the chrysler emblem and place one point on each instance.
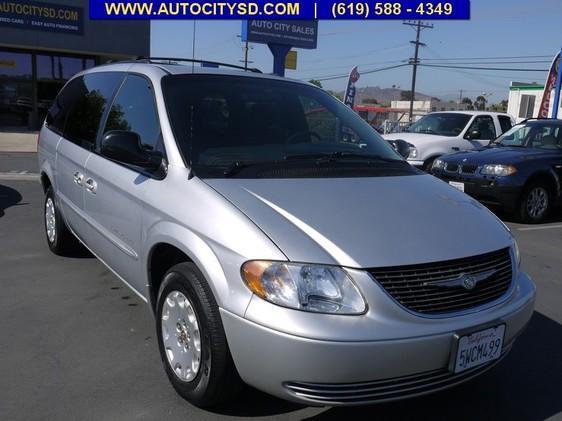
(464, 280)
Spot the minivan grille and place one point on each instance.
(412, 285)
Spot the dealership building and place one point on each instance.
(44, 43)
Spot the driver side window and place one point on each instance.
(485, 126)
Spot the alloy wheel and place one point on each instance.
(537, 202)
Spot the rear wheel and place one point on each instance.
(191, 339)
(535, 203)
(59, 238)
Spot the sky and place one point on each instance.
(497, 29)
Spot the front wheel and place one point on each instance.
(191, 339)
(428, 164)
(535, 203)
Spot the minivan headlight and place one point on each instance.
(498, 170)
(314, 288)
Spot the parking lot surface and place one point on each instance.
(76, 343)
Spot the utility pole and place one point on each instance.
(246, 47)
(460, 97)
(418, 25)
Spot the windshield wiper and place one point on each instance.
(367, 157)
(237, 166)
(333, 156)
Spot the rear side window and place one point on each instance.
(92, 92)
(134, 110)
(505, 123)
(58, 112)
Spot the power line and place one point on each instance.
(489, 58)
(490, 62)
(346, 66)
(483, 68)
(365, 72)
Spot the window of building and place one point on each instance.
(16, 89)
(134, 110)
(52, 73)
(92, 93)
(527, 106)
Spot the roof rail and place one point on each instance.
(537, 118)
(189, 60)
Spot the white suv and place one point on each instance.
(441, 133)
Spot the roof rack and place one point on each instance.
(189, 60)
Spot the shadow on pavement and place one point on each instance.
(253, 403)
(8, 197)
(527, 385)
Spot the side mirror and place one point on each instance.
(474, 135)
(124, 146)
(401, 146)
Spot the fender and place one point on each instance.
(225, 282)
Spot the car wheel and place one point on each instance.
(535, 203)
(59, 238)
(191, 339)
(428, 164)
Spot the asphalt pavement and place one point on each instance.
(77, 344)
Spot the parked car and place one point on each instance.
(441, 133)
(286, 252)
(521, 171)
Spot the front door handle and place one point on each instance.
(78, 177)
(91, 185)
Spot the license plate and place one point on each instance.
(478, 348)
(457, 185)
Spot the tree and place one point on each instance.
(405, 95)
(501, 107)
(316, 82)
(480, 103)
(468, 102)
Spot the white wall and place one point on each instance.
(514, 102)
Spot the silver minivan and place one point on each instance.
(277, 238)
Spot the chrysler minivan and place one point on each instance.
(277, 238)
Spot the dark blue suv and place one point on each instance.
(520, 171)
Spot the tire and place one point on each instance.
(428, 164)
(59, 238)
(192, 319)
(535, 203)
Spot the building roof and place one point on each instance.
(522, 86)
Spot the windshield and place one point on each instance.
(225, 122)
(442, 124)
(534, 135)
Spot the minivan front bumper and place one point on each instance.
(315, 371)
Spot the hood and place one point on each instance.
(417, 138)
(366, 222)
(499, 155)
